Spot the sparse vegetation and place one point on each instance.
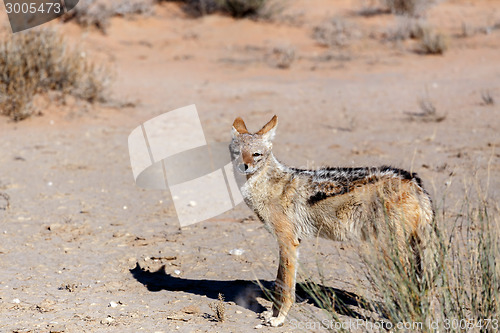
(236, 8)
(433, 42)
(467, 31)
(242, 8)
(37, 61)
(335, 32)
(416, 27)
(428, 112)
(5, 201)
(408, 27)
(465, 287)
(459, 290)
(96, 13)
(427, 107)
(412, 8)
(219, 309)
(487, 98)
(281, 57)
(274, 10)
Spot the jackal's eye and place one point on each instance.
(257, 154)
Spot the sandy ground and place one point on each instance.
(82, 249)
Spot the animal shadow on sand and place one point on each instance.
(245, 292)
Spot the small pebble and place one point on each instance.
(258, 326)
(192, 203)
(16, 300)
(236, 252)
(113, 304)
(177, 272)
(108, 320)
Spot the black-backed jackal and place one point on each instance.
(334, 203)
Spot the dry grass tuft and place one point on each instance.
(433, 43)
(6, 201)
(37, 61)
(412, 8)
(96, 13)
(281, 57)
(428, 112)
(219, 309)
(408, 27)
(458, 289)
(243, 8)
(429, 41)
(464, 289)
(336, 32)
(257, 9)
(487, 98)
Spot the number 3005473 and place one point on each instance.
(33, 8)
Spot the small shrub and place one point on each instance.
(429, 41)
(264, 9)
(242, 8)
(198, 8)
(433, 43)
(37, 61)
(408, 27)
(281, 57)
(96, 13)
(413, 8)
(335, 32)
(273, 10)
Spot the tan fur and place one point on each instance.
(239, 125)
(335, 203)
(270, 125)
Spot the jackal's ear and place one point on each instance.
(269, 129)
(239, 127)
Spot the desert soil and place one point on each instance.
(83, 249)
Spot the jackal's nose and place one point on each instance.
(243, 167)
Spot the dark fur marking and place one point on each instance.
(339, 181)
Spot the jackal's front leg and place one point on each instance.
(284, 293)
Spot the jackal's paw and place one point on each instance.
(276, 321)
(266, 315)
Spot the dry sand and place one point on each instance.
(82, 249)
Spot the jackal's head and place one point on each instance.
(250, 152)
